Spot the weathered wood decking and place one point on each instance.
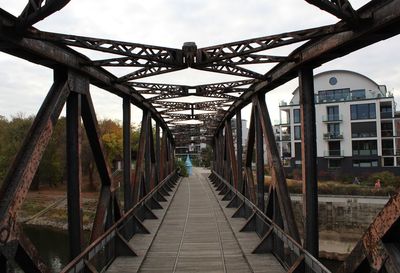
(195, 234)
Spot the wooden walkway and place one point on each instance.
(195, 234)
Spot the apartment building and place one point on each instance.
(356, 126)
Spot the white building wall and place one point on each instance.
(374, 93)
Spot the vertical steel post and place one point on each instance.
(75, 227)
(147, 157)
(232, 167)
(239, 149)
(158, 154)
(259, 161)
(309, 160)
(126, 109)
(278, 171)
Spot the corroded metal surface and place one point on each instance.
(212, 106)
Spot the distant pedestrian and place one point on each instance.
(378, 184)
(356, 181)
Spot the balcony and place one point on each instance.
(334, 154)
(332, 118)
(333, 136)
(365, 152)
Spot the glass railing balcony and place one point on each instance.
(335, 135)
(365, 152)
(334, 153)
(332, 118)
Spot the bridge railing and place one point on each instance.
(114, 242)
(273, 238)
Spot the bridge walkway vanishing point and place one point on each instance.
(196, 234)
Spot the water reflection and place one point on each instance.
(52, 245)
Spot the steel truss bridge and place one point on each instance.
(116, 227)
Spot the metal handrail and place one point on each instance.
(292, 244)
(93, 248)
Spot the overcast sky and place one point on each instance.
(23, 85)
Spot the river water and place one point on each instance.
(52, 245)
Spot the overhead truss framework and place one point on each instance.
(185, 113)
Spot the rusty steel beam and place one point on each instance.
(309, 161)
(283, 193)
(54, 55)
(231, 70)
(259, 158)
(13, 242)
(103, 168)
(37, 10)
(148, 72)
(231, 150)
(163, 55)
(74, 171)
(339, 8)
(249, 179)
(377, 250)
(21, 173)
(158, 155)
(127, 152)
(139, 169)
(239, 149)
(208, 55)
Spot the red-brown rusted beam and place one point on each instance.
(231, 151)
(139, 169)
(281, 186)
(104, 170)
(374, 252)
(74, 171)
(309, 161)
(249, 179)
(127, 157)
(259, 158)
(21, 173)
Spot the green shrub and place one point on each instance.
(180, 164)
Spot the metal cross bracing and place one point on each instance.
(212, 105)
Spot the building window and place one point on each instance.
(363, 129)
(365, 163)
(358, 94)
(334, 148)
(333, 113)
(297, 150)
(333, 130)
(333, 95)
(297, 132)
(333, 81)
(387, 147)
(387, 129)
(386, 110)
(388, 161)
(334, 163)
(365, 147)
(296, 115)
(363, 111)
